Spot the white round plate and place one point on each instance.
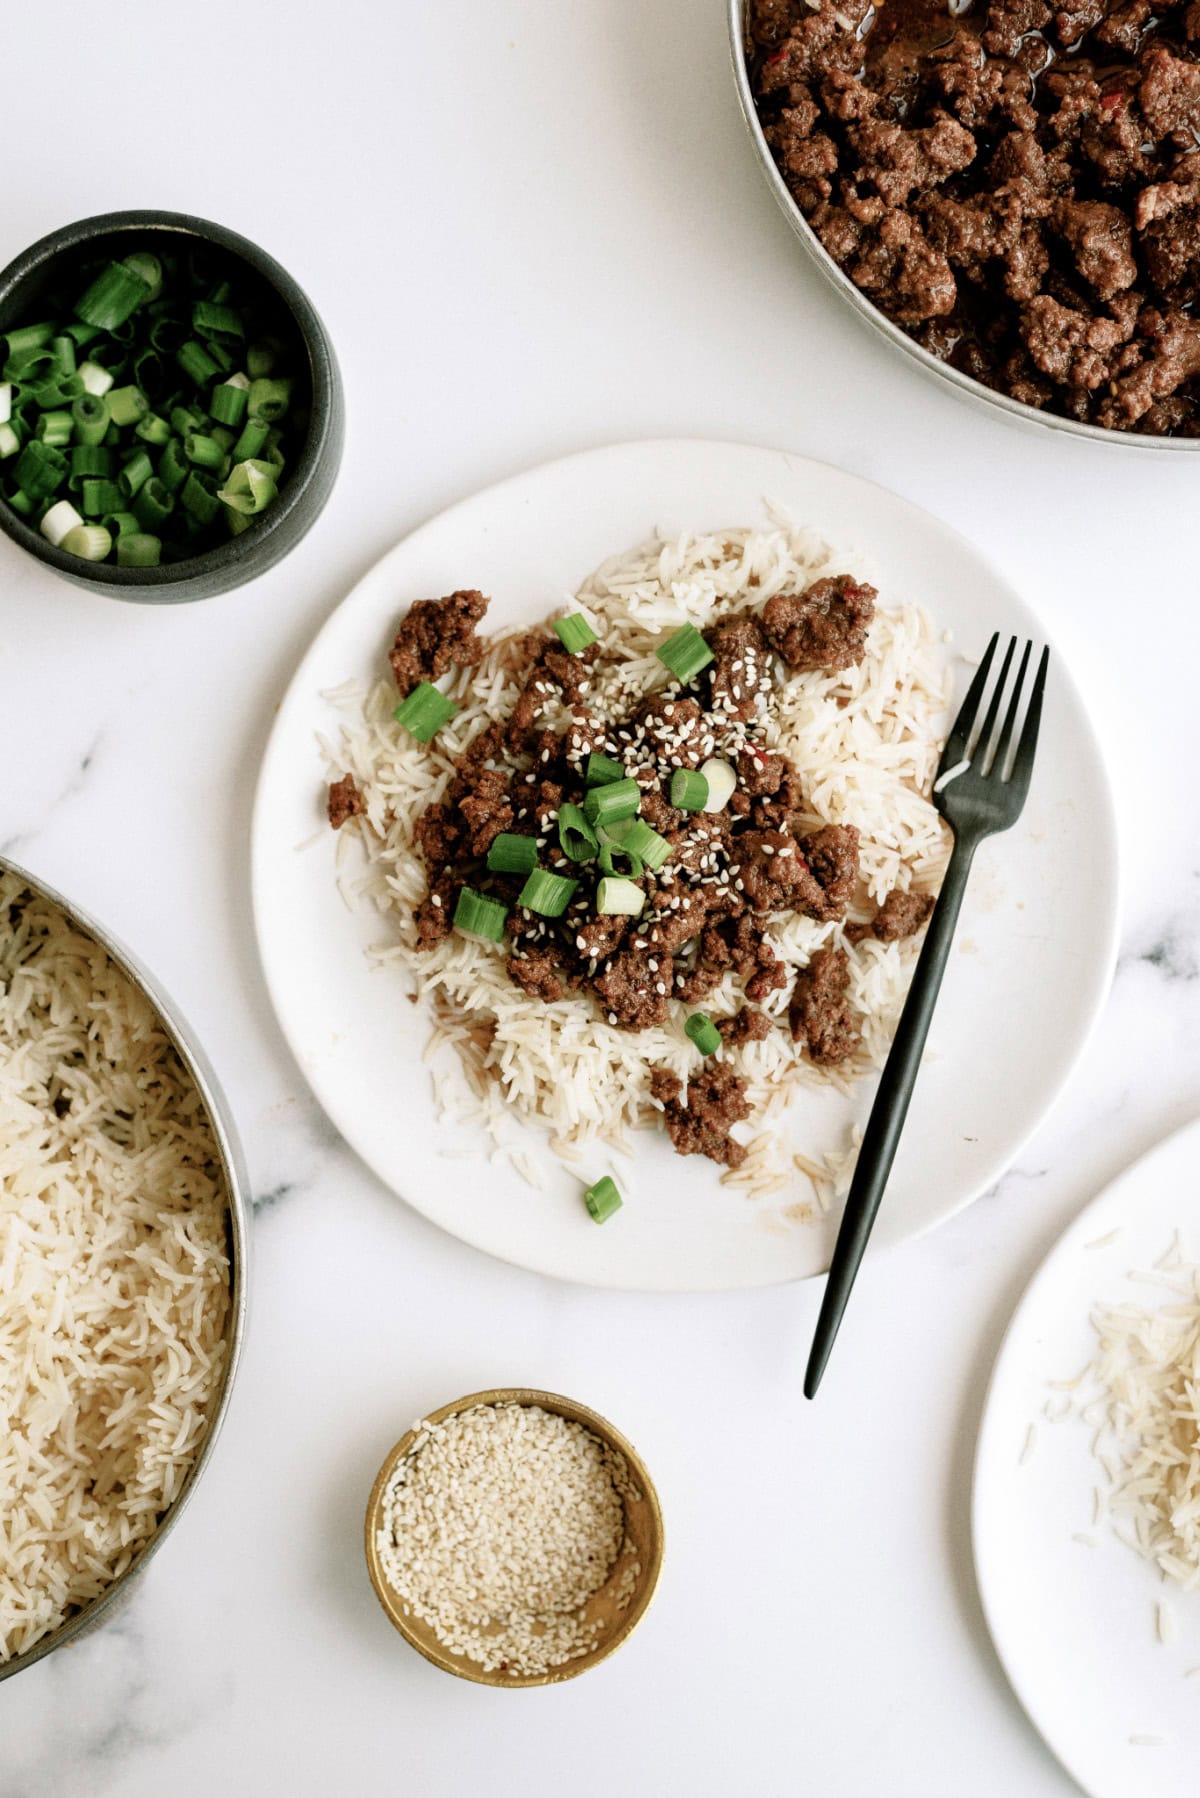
(1037, 938)
(1071, 1608)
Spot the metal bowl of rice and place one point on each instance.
(123, 1232)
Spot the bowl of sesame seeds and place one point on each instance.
(514, 1538)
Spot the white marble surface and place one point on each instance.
(532, 227)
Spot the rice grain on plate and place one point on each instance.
(865, 742)
(114, 1281)
(499, 1526)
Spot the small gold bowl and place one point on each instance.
(643, 1527)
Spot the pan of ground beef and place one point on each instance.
(1010, 192)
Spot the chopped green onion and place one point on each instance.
(608, 854)
(205, 452)
(96, 380)
(89, 415)
(270, 398)
(134, 473)
(113, 296)
(197, 498)
(250, 487)
(27, 338)
(153, 429)
(511, 854)
(260, 360)
(603, 1200)
(58, 520)
(186, 419)
(64, 356)
(126, 405)
(689, 790)
(89, 541)
(601, 770)
(6, 393)
(40, 469)
(576, 838)
(138, 549)
(637, 835)
(547, 894)
(120, 524)
(21, 503)
(10, 443)
(574, 633)
(617, 897)
(153, 505)
(616, 800)
(196, 363)
(479, 917)
(254, 435)
(221, 323)
(424, 712)
(703, 1032)
(685, 653)
(54, 428)
(147, 268)
(228, 402)
(88, 459)
(221, 353)
(721, 782)
(99, 496)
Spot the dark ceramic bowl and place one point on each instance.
(49, 265)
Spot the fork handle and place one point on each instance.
(882, 1134)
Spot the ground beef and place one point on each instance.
(741, 670)
(1001, 180)
(345, 801)
(745, 1026)
(819, 1013)
(901, 914)
(535, 971)
(831, 855)
(437, 635)
(823, 628)
(700, 1124)
(633, 994)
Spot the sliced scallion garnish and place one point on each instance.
(424, 712)
(574, 633)
(703, 1032)
(512, 854)
(576, 838)
(643, 840)
(721, 782)
(113, 296)
(547, 894)
(90, 541)
(477, 916)
(58, 520)
(601, 770)
(689, 790)
(610, 803)
(609, 854)
(602, 1199)
(618, 897)
(685, 653)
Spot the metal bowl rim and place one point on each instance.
(238, 1188)
(965, 385)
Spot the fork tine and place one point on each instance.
(1010, 717)
(979, 755)
(956, 743)
(1023, 760)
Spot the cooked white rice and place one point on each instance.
(114, 1282)
(866, 743)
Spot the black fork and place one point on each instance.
(980, 789)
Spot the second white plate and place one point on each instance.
(1035, 947)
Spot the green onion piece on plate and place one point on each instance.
(602, 1200)
(689, 790)
(619, 898)
(424, 712)
(609, 855)
(721, 782)
(685, 653)
(547, 894)
(643, 840)
(703, 1032)
(574, 633)
(512, 854)
(576, 838)
(601, 770)
(479, 917)
(610, 803)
